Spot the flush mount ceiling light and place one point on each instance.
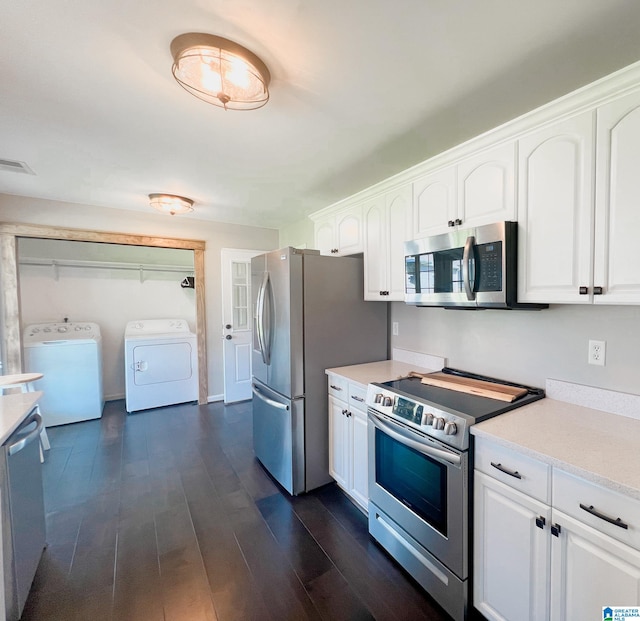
(171, 204)
(220, 72)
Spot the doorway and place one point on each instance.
(9, 285)
(237, 321)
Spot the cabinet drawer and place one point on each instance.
(357, 397)
(599, 505)
(530, 476)
(339, 387)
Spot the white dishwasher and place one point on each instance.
(69, 354)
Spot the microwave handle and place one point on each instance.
(468, 268)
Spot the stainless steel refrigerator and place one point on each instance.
(309, 315)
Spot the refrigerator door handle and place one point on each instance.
(271, 402)
(260, 302)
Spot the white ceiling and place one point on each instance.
(361, 89)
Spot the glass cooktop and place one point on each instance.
(476, 407)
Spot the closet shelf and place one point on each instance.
(108, 265)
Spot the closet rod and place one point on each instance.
(105, 265)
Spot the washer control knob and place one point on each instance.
(427, 419)
(450, 428)
(47, 330)
(62, 329)
(387, 402)
(438, 423)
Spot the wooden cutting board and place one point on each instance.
(471, 386)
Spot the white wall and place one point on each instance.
(529, 346)
(298, 234)
(108, 297)
(216, 235)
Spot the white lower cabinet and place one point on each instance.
(590, 570)
(511, 552)
(348, 454)
(559, 556)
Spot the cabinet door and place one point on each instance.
(555, 212)
(511, 553)
(590, 570)
(360, 480)
(339, 442)
(434, 201)
(324, 233)
(486, 187)
(349, 231)
(375, 252)
(399, 215)
(617, 209)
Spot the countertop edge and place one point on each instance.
(555, 462)
(13, 411)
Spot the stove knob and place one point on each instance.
(427, 419)
(450, 429)
(387, 402)
(438, 423)
(378, 398)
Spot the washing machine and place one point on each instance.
(161, 363)
(69, 354)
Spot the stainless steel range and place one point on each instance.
(420, 474)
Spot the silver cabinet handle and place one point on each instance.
(16, 447)
(271, 402)
(356, 398)
(467, 261)
(335, 387)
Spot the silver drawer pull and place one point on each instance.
(602, 516)
(335, 387)
(511, 473)
(357, 398)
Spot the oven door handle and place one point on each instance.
(429, 451)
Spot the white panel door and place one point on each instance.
(486, 187)
(375, 251)
(511, 553)
(434, 200)
(237, 329)
(618, 202)
(555, 212)
(590, 570)
(399, 215)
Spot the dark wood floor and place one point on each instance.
(166, 515)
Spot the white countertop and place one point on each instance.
(13, 410)
(598, 446)
(382, 371)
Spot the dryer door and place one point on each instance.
(162, 362)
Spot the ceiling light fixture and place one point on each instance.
(171, 204)
(220, 72)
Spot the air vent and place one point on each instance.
(15, 166)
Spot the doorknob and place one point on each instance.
(228, 337)
(228, 326)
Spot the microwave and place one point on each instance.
(467, 268)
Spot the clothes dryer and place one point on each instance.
(69, 354)
(161, 363)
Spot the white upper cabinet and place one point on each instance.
(575, 247)
(618, 202)
(387, 222)
(555, 212)
(478, 190)
(340, 233)
(486, 187)
(434, 202)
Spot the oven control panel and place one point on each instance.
(448, 427)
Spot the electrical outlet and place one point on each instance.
(597, 351)
(394, 328)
